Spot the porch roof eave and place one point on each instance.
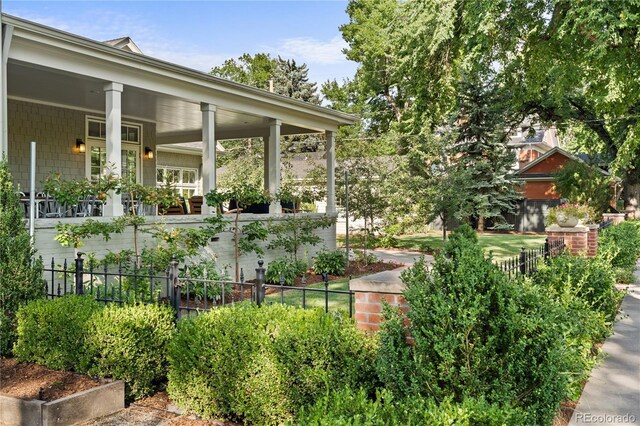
(85, 47)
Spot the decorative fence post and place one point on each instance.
(79, 274)
(523, 261)
(259, 283)
(547, 253)
(174, 286)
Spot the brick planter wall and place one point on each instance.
(579, 240)
(614, 217)
(372, 292)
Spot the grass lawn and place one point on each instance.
(502, 246)
(315, 298)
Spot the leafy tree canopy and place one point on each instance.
(254, 70)
(567, 62)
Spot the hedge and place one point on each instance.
(54, 332)
(130, 343)
(260, 365)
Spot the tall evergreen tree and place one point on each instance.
(481, 148)
(20, 273)
(292, 80)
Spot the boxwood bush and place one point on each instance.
(260, 365)
(130, 343)
(620, 244)
(289, 269)
(476, 334)
(54, 332)
(591, 279)
(350, 408)
(332, 262)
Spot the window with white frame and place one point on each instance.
(183, 179)
(96, 157)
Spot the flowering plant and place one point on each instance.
(584, 213)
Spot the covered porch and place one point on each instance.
(90, 106)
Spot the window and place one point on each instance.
(96, 159)
(184, 180)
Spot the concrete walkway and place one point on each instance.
(401, 256)
(612, 394)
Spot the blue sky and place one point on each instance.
(202, 34)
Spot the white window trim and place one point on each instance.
(181, 186)
(92, 141)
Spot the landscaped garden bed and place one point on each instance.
(32, 381)
(35, 395)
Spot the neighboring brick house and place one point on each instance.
(538, 189)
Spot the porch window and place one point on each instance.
(97, 150)
(184, 180)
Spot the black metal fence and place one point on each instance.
(188, 295)
(526, 263)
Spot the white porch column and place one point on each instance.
(265, 159)
(330, 147)
(208, 152)
(274, 164)
(6, 35)
(113, 112)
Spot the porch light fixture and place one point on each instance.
(148, 153)
(80, 146)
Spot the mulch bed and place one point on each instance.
(25, 380)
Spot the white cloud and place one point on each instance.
(311, 50)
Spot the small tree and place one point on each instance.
(430, 185)
(368, 192)
(584, 184)
(246, 238)
(20, 272)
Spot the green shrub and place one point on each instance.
(260, 365)
(287, 268)
(387, 241)
(349, 408)
(591, 279)
(7, 333)
(331, 262)
(205, 269)
(54, 332)
(130, 343)
(620, 244)
(624, 275)
(476, 334)
(20, 270)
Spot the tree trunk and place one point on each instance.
(444, 229)
(480, 223)
(632, 198)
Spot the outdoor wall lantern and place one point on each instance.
(148, 153)
(80, 146)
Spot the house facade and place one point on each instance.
(538, 189)
(89, 105)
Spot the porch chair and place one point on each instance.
(52, 208)
(87, 206)
(195, 204)
(176, 209)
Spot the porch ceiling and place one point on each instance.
(177, 120)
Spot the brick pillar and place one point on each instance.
(579, 240)
(371, 292)
(592, 240)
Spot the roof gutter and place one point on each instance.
(249, 91)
